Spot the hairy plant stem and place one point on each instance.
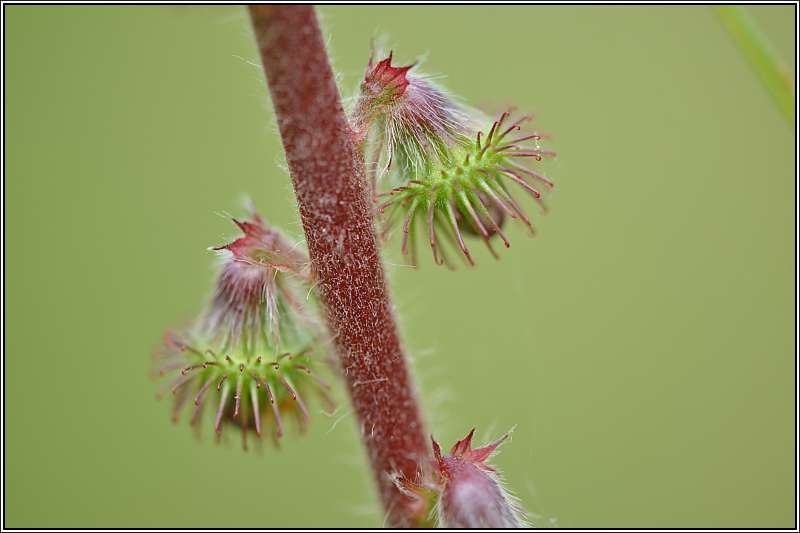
(329, 181)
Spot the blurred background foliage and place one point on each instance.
(642, 345)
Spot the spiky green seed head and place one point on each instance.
(251, 392)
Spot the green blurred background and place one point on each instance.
(642, 344)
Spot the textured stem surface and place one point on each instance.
(329, 180)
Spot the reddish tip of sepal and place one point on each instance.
(463, 445)
(254, 234)
(264, 246)
(437, 450)
(383, 77)
(462, 452)
(252, 229)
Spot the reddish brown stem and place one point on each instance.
(330, 183)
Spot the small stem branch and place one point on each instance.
(329, 181)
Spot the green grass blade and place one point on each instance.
(775, 76)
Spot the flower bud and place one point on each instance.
(472, 495)
(256, 283)
(417, 121)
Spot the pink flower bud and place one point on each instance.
(253, 286)
(420, 122)
(472, 495)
